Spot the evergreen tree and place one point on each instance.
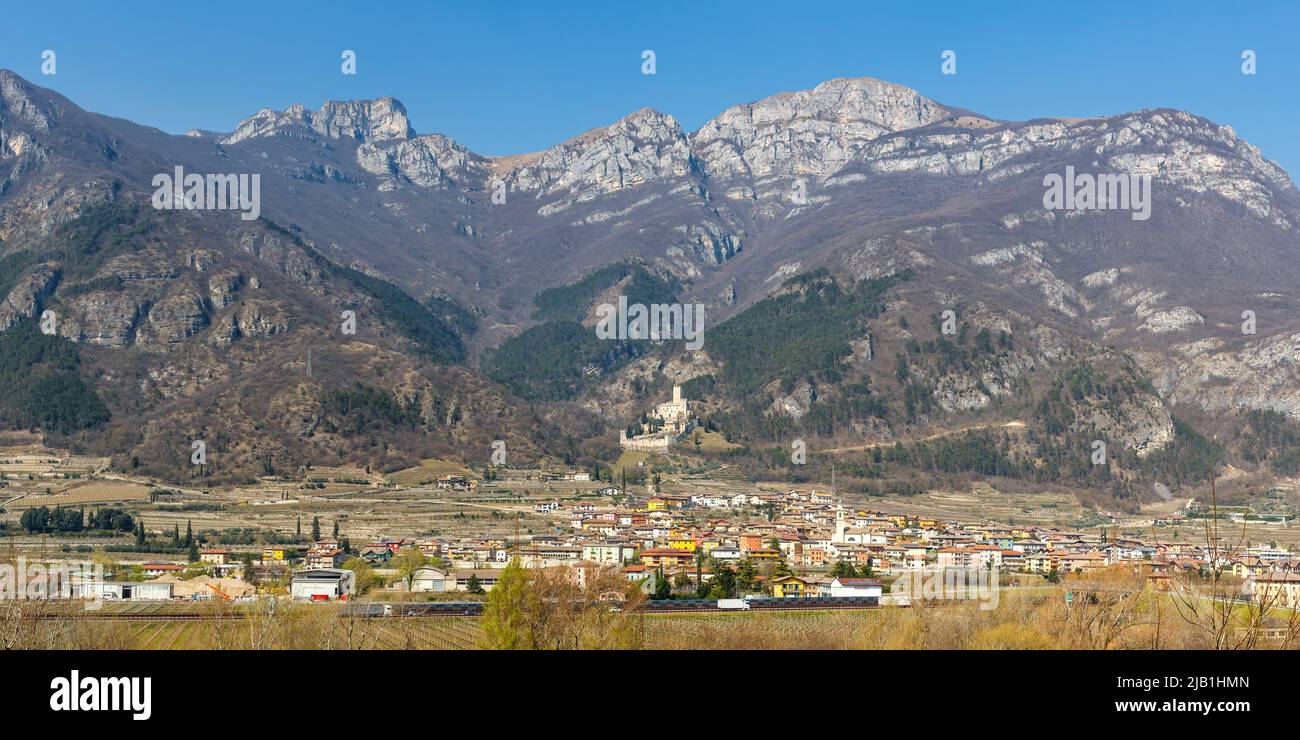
(315, 529)
(782, 569)
(844, 569)
(663, 589)
(746, 575)
(723, 583)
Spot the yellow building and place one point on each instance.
(682, 542)
(656, 504)
(791, 586)
(273, 553)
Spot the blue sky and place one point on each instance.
(504, 77)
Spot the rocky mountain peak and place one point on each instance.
(810, 131)
(643, 146)
(383, 119)
(371, 121)
(19, 104)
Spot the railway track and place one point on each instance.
(768, 610)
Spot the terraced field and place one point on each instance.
(827, 630)
(984, 502)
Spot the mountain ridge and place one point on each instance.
(855, 178)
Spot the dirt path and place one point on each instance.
(1013, 424)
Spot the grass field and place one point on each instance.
(709, 442)
(428, 471)
(629, 461)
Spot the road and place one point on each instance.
(1015, 424)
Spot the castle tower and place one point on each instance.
(677, 394)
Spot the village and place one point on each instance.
(801, 543)
(443, 532)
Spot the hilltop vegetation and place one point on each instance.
(553, 361)
(43, 386)
(802, 332)
(1270, 437)
(556, 359)
(428, 325)
(100, 232)
(571, 302)
(362, 409)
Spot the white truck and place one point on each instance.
(733, 604)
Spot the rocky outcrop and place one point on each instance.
(708, 242)
(18, 106)
(258, 318)
(223, 286)
(811, 132)
(426, 161)
(172, 320)
(1142, 424)
(960, 393)
(107, 318)
(643, 147)
(1262, 374)
(281, 254)
(24, 300)
(1181, 150)
(255, 318)
(374, 121)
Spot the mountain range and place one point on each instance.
(825, 231)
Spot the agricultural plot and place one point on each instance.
(427, 472)
(829, 630)
(824, 630)
(439, 633)
(985, 503)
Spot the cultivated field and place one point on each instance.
(310, 628)
(983, 502)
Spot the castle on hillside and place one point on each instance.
(676, 419)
